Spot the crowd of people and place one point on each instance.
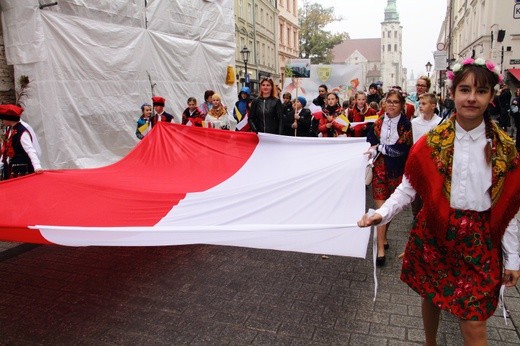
(451, 160)
(460, 172)
(288, 116)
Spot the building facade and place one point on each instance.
(380, 58)
(256, 28)
(364, 52)
(288, 28)
(480, 28)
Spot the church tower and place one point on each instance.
(391, 48)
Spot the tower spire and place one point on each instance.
(391, 14)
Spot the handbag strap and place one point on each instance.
(372, 160)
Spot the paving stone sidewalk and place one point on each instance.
(215, 295)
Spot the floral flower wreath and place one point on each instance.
(490, 65)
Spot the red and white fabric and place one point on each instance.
(190, 185)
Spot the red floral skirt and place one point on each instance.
(382, 185)
(459, 271)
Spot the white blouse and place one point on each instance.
(389, 133)
(470, 182)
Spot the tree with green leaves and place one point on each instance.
(315, 42)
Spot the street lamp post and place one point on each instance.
(428, 68)
(245, 58)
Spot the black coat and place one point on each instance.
(304, 124)
(319, 101)
(504, 99)
(266, 115)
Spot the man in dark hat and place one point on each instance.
(18, 156)
(160, 114)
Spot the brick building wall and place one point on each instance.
(7, 91)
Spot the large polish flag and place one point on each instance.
(191, 185)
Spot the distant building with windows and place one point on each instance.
(479, 28)
(256, 27)
(365, 52)
(288, 29)
(380, 58)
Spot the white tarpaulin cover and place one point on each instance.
(92, 63)
(189, 185)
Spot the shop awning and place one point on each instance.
(515, 72)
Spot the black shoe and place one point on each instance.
(387, 246)
(380, 261)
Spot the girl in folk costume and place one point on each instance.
(17, 154)
(358, 113)
(463, 246)
(218, 115)
(391, 140)
(331, 124)
(143, 123)
(382, 107)
(192, 115)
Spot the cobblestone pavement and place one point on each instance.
(215, 295)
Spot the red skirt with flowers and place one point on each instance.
(459, 271)
(382, 185)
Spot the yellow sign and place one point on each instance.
(324, 73)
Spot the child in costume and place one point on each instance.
(160, 114)
(391, 140)
(463, 247)
(143, 123)
(333, 123)
(17, 153)
(192, 115)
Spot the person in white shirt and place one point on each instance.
(35, 142)
(463, 247)
(391, 140)
(427, 118)
(18, 156)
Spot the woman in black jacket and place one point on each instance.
(266, 110)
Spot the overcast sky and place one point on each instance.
(421, 21)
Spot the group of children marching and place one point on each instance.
(213, 113)
(328, 118)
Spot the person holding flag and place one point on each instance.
(333, 122)
(240, 109)
(390, 139)
(298, 122)
(362, 114)
(192, 115)
(17, 154)
(143, 123)
(218, 116)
